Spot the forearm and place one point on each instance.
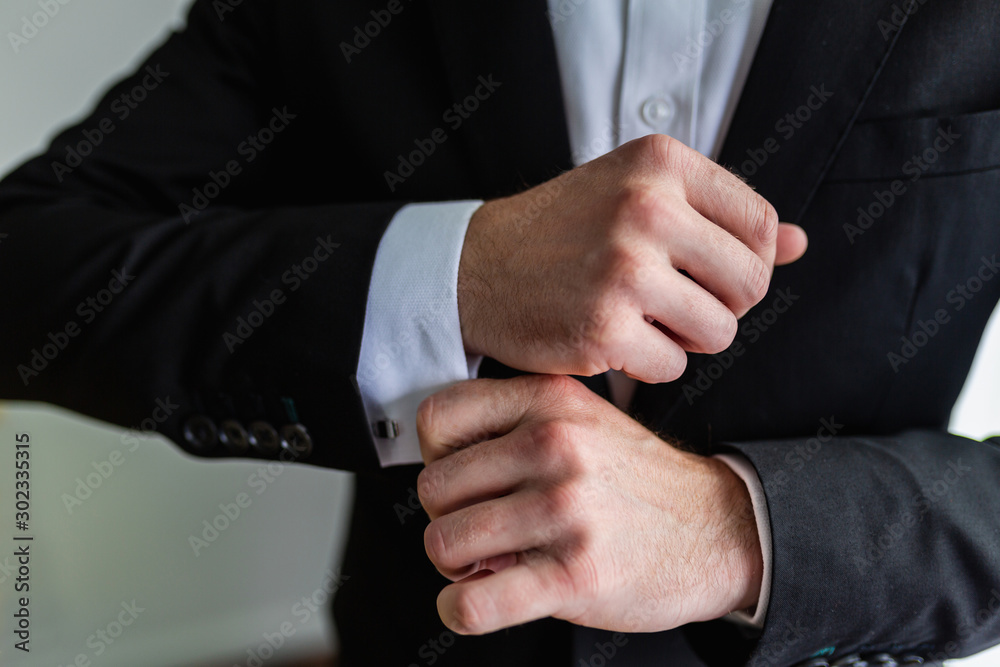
(246, 316)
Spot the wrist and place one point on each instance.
(473, 286)
(740, 540)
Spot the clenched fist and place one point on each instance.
(623, 263)
(546, 500)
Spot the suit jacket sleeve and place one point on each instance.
(130, 299)
(881, 545)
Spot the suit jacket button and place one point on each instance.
(296, 440)
(264, 439)
(234, 437)
(200, 433)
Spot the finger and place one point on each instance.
(476, 474)
(519, 594)
(723, 198)
(702, 323)
(713, 191)
(647, 354)
(485, 566)
(459, 542)
(719, 262)
(791, 244)
(470, 412)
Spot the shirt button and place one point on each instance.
(657, 112)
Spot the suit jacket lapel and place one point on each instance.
(824, 54)
(518, 137)
(827, 55)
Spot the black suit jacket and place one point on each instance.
(886, 537)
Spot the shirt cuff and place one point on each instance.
(745, 470)
(412, 341)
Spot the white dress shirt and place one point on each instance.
(628, 68)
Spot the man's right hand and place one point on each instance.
(586, 273)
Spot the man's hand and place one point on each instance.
(547, 500)
(584, 273)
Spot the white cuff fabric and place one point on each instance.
(742, 467)
(412, 341)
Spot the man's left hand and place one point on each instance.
(546, 500)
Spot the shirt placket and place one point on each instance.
(657, 96)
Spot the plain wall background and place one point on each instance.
(129, 539)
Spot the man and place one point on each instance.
(216, 245)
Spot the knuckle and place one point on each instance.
(660, 148)
(620, 263)
(599, 311)
(583, 581)
(639, 207)
(425, 419)
(564, 504)
(436, 544)
(429, 483)
(552, 441)
(756, 280)
(714, 325)
(559, 390)
(608, 329)
(723, 332)
(762, 219)
(470, 612)
(559, 384)
(673, 363)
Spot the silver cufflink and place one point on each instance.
(385, 428)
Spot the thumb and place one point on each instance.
(791, 245)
